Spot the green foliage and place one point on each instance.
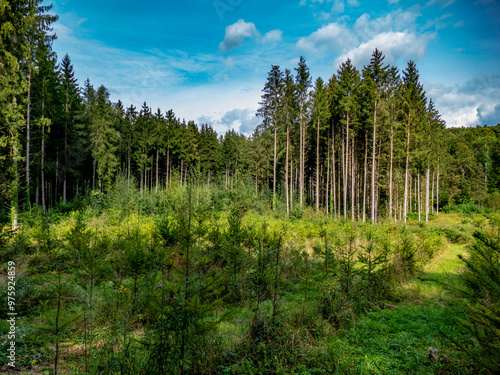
(482, 276)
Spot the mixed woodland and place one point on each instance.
(351, 232)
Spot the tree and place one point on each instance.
(303, 83)
(319, 114)
(413, 106)
(349, 80)
(270, 111)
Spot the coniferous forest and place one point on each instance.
(350, 233)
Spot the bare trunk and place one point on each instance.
(327, 190)
(418, 196)
(432, 193)
(352, 180)
(286, 170)
(274, 168)
(405, 199)
(42, 168)
(291, 183)
(374, 161)
(333, 174)
(390, 172)
(301, 164)
(28, 133)
(365, 177)
(437, 190)
(317, 168)
(427, 183)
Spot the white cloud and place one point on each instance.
(330, 38)
(353, 3)
(394, 45)
(475, 102)
(272, 36)
(459, 24)
(241, 120)
(236, 34)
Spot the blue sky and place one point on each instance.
(208, 59)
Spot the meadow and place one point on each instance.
(204, 280)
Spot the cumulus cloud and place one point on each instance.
(475, 102)
(394, 45)
(395, 34)
(332, 37)
(236, 34)
(242, 120)
(272, 36)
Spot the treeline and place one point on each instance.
(363, 145)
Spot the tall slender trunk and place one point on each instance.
(286, 169)
(437, 190)
(291, 183)
(352, 180)
(65, 163)
(405, 202)
(432, 193)
(28, 134)
(427, 183)
(374, 161)
(42, 168)
(274, 167)
(418, 196)
(317, 168)
(327, 191)
(301, 146)
(333, 174)
(346, 163)
(390, 169)
(365, 177)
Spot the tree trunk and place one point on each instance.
(317, 168)
(274, 168)
(42, 168)
(432, 193)
(333, 174)
(405, 199)
(427, 183)
(437, 190)
(291, 182)
(301, 174)
(365, 177)
(352, 180)
(418, 196)
(327, 190)
(390, 170)
(28, 133)
(286, 169)
(374, 161)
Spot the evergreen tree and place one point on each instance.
(270, 110)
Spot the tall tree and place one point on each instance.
(270, 111)
(303, 83)
(319, 114)
(413, 106)
(349, 80)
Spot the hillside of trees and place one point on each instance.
(350, 233)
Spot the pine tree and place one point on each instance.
(303, 83)
(271, 112)
(319, 116)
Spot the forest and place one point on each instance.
(350, 233)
